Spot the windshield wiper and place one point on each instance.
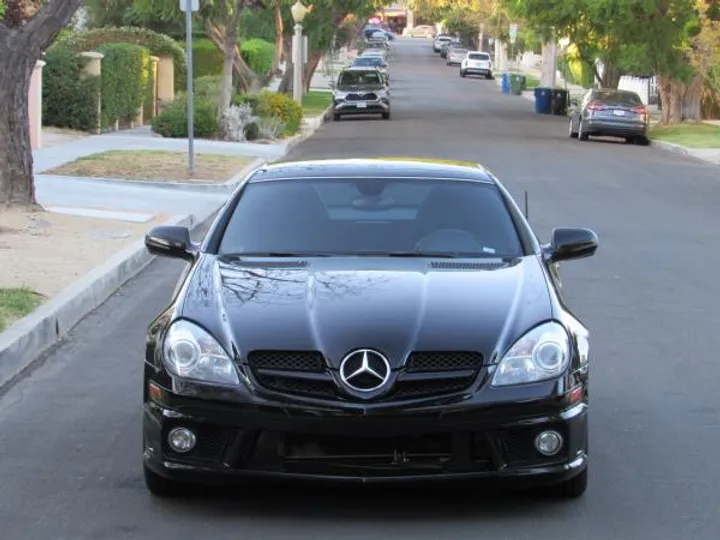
(279, 254)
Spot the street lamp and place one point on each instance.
(298, 11)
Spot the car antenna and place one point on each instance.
(526, 206)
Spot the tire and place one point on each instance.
(462, 73)
(489, 77)
(572, 134)
(582, 136)
(386, 115)
(573, 488)
(642, 140)
(160, 486)
(336, 117)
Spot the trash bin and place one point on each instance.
(517, 82)
(505, 84)
(543, 100)
(559, 102)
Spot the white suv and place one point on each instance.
(476, 62)
(440, 41)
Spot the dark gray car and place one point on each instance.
(607, 112)
(361, 90)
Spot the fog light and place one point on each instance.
(549, 443)
(182, 440)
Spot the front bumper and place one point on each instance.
(378, 106)
(476, 71)
(334, 444)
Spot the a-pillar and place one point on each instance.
(93, 68)
(35, 106)
(549, 64)
(166, 80)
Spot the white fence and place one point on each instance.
(645, 87)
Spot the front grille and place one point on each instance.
(361, 97)
(444, 361)
(307, 374)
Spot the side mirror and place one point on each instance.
(332, 85)
(568, 244)
(170, 241)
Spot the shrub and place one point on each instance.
(157, 44)
(281, 106)
(207, 59)
(250, 99)
(70, 99)
(208, 87)
(252, 131)
(124, 81)
(172, 121)
(258, 54)
(271, 127)
(235, 121)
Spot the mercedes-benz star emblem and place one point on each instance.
(365, 370)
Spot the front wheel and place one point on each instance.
(386, 115)
(573, 134)
(336, 117)
(161, 486)
(462, 73)
(582, 136)
(642, 140)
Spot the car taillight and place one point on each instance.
(640, 109)
(596, 106)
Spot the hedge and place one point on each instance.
(70, 99)
(124, 82)
(208, 59)
(172, 121)
(157, 44)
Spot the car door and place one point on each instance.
(577, 114)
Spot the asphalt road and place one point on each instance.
(70, 430)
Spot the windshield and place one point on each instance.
(479, 56)
(354, 78)
(374, 61)
(372, 216)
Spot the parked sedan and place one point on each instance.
(446, 46)
(456, 55)
(607, 112)
(422, 31)
(476, 63)
(366, 321)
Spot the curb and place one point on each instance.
(671, 147)
(223, 187)
(23, 342)
(311, 126)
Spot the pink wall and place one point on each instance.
(35, 106)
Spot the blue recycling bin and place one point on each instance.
(505, 86)
(543, 100)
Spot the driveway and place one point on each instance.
(70, 431)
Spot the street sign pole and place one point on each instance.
(188, 6)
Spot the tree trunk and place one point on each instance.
(680, 101)
(286, 84)
(243, 74)
(611, 76)
(279, 40)
(17, 186)
(310, 68)
(229, 46)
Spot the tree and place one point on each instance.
(27, 28)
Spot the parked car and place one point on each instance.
(456, 55)
(368, 320)
(476, 63)
(361, 90)
(376, 53)
(607, 112)
(445, 47)
(441, 39)
(422, 31)
(372, 61)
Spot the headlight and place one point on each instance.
(340, 95)
(542, 353)
(190, 352)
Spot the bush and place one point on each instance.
(235, 121)
(70, 99)
(207, 59)
(208, 87)
(250, 99)
(271, 127)
(172, 121)
(258, 54)
(124, 81)
(157, 44)
(252, 131)
(281, 106)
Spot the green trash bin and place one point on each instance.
(516, 84)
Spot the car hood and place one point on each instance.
(395, 306)
(360, 88)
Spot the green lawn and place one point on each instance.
(531, 82)
(695, 135)
(315, 102)
(15, 304)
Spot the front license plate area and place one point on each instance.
(361, 105)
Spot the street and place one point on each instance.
(70, 445)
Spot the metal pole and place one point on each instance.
(298, 64)
(190, 113)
